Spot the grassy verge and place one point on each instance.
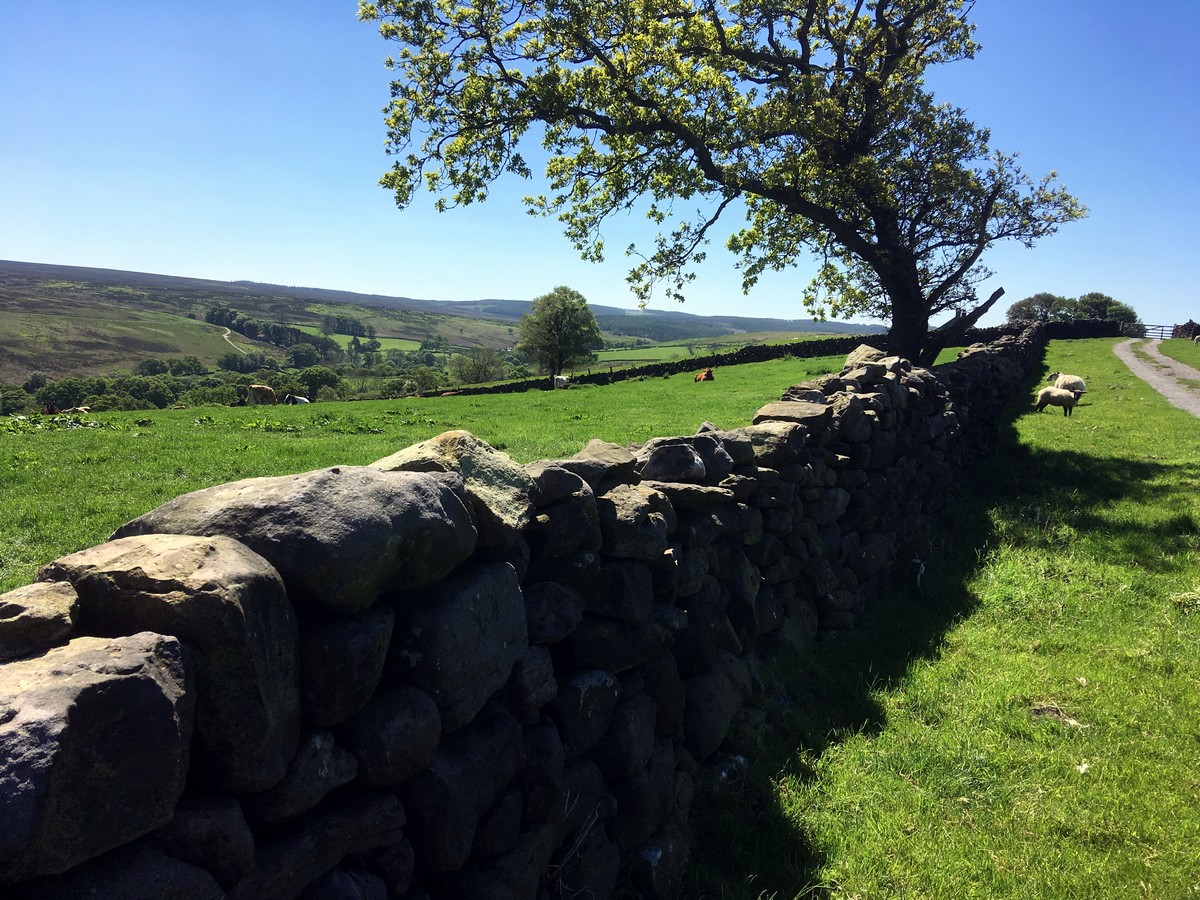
(68, 482)
(1181, 350)
(1026, 724)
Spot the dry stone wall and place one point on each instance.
(447, 675)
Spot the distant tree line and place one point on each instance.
(272, 332)
(1093, 306)
(339, 324)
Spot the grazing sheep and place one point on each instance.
(1068, 383)
(1053, 396)
(1065, 382)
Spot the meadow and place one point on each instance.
(67, 482)
(1022, 724)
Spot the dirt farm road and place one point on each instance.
(1180, 384)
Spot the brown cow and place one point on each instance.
(262, 393)
(706, 375)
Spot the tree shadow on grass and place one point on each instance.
(746, 847)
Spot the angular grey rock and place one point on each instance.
(776, 443)
(395, 736)
(347, 884)
(532, 685)
(588, 864)
(565, 526)
(338, 536)
(813, 416)
(583, 709)
(712, 701)
(635, 521)
(94, 743)
(863, 353)
(670, 459)
(307, 848)
(228, 606)
(656, 868)
(35, 617)
(137, 872)
(602, 464)
(464, 779)
(516, 875)
(552, 611)
(616, 645)
(645, 800)
(499, 827)
(540, 777)
(341, 662)
(460, 645)
(500, 489)
(209, 832)
(629, 742)
(318, 767)
(585, 799)
(552, 482)
(692, 497)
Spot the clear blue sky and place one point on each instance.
(244, 140)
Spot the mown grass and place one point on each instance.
(67, 482)
(1025, 725)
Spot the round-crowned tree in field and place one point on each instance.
(559, 331)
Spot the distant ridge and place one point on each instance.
(490, 308)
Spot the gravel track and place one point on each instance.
(1180, 384)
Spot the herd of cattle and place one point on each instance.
(263, 393)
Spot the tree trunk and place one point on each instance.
(909, 330)
(952, 332)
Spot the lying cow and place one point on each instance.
(562, 381)
(292, 399)
(261, 393)
(706, 375)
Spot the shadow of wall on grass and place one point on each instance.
(750, 845)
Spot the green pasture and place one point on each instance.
(669, 351)
(1181, 350)
(104, 341)
(67, 482)
(343, 340)
(1026, 724)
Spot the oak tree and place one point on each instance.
(559, 331)
(811, 118)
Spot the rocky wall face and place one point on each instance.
(448, 675)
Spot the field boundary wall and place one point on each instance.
(447, 675)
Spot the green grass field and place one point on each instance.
(66, 488)
(1181, 350)
(1028, 724)
(343, 340)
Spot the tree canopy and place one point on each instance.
(811, 118)
(559, 331)
(1047, 307)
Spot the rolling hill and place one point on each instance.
(75, 320)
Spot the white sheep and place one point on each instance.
(1065, 382)
(1053, 396)
(1196, 339)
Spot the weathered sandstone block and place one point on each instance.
(228, 606)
